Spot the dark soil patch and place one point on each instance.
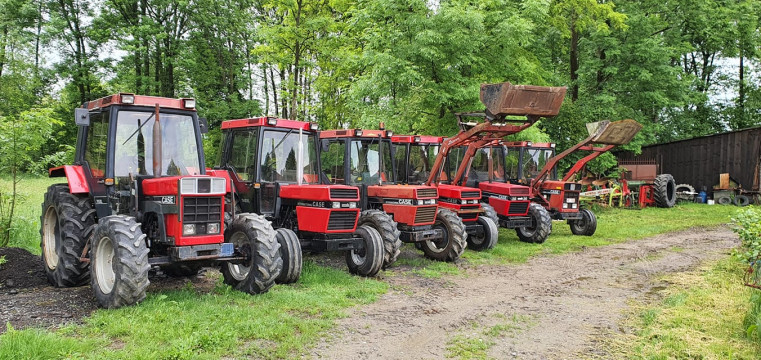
(22, 269)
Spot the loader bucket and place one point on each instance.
(523, 100)
(613, 133)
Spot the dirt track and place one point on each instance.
(549, 308)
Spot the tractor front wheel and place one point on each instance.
(290, 252)
(255, 240)
(487, 240)
(368, 260)
(452, 244)
(66, 224)
(541, 225)
(586, 225)
(387, 228)
(119, 262)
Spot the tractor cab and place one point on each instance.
(275, 170)
(139, 181)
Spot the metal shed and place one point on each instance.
(699, 161)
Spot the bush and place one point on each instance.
(748, 227)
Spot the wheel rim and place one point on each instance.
(478, 240)
(440, 245)
(49, 234)
(359, 256)
(104, 265)
(239, 272)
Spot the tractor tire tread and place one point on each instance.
(389, 232)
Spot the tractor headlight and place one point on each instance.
(336, 205)
(570, 200)
(573, 206)
(128, 99)
(352, 205)
(431, 201)
(188, 229)
(565, 205)
(189, 103)
(212, 228)
(202, 185)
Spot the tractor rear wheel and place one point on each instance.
(119, 262)
(541, 225)
(664, 188)
(586, 225)
(290, 252)
(254, 239)
(452, 244)
(490, 212)
(487, 240)
(368, 260)
(387, 228)
(181, 269)
(67, 222)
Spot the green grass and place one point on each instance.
(25, 232)
(186, 324)
(614, 225)
(700, 317)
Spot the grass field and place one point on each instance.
(288, 320)
(701, 316)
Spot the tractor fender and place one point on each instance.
(75, 176)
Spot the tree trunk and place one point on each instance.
(3, 42)
(574, 61)
(266, 91)
(274, 92)
(284, 110)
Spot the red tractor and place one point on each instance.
(118, 216)
(409, 213)
(535, 164)
(509, 110)
(414, 157)
(275, 171)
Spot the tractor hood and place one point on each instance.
(403, 191)
(319, 192)
(504, 189)
(459, 192)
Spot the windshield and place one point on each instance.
(479, 167)
(422, 157)
(534, 160)
(366, 167)
(280, 157)
(133, 153)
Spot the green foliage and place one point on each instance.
(748, 227)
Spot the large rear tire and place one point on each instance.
(541, 225)
(67, 222)
(368, 260)
(586, 226)
(490, 212)
(255, 240)
(453, 244)
(119, 262)
(290, 252)
(387, 228)
(664, 187)
(487, 240)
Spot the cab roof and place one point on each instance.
(354, 133)
(130, 99)
(269, 121)
(422, 139)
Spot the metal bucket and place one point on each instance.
(505, 99)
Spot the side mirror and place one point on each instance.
(82, 117)
(324, 145)
(203, 124)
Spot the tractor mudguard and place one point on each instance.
(75, 176)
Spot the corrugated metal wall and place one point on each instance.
(699, 161)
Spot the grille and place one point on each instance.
(344, 194)
(201, 210)
(425, 214)
(469, 216)
(470, 194)
(426, 193)
(342, 220)
(519, 191)
(518, 208)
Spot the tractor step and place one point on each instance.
(474, 229)
(332, 244)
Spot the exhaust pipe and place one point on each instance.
(157, 156)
